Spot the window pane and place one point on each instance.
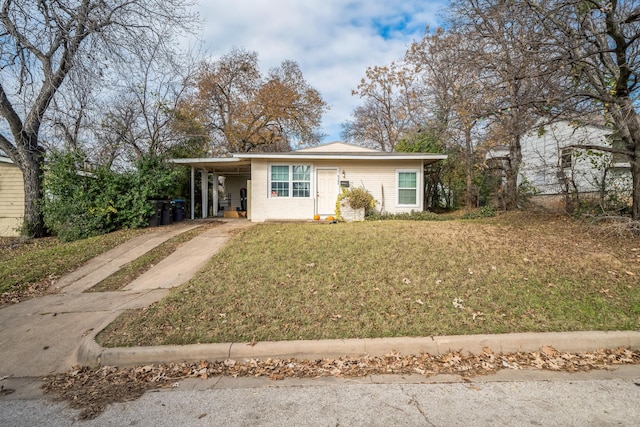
(279, 173)
(279, 189)
(407, 188)
(407, 197)
(301, 189)
(407, 180)
(302, 173)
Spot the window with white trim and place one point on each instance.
(290, 181)
(407, 188)
(566, 158)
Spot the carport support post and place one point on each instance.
(193, 193)
(204, 186)
(214, 192)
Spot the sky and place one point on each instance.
(333, 41)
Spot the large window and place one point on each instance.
(407, 188)
(290, 181)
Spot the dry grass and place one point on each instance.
(512, 273)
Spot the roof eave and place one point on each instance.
(359, 156)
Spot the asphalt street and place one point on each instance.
(599, 398)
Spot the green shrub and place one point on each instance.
(407, 216)
(81, 203)
(483, 212)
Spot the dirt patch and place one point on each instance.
(91, 390)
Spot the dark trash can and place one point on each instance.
(166, 212)
(155, 219)
(178, 210)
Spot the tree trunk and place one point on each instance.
(470, 203)
(635, 174)
(630, 122)
(511, 173)
(32, 175)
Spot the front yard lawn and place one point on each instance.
(516, 272)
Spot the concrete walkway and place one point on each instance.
(42, 336)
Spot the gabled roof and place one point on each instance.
(4, 159)
(336, 147)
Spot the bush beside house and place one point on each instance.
(80, 203)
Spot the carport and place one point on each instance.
(235, 170)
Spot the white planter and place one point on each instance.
(349, 214)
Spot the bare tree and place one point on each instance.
(507, 47)
(393, 107)
(42, 42)
(452, 77)
(595, 46)
(139, 118)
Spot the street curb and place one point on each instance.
(91, 354)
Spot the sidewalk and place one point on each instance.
(41, 336)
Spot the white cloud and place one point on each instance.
(333, 41)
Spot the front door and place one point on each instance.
(326, 191)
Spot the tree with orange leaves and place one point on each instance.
(245, 111)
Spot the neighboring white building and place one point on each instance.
(298, 185)
(11, 198)
(551, 166)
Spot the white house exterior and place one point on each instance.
(551, 165)
(297, 185)
(547, 151)
(11, 198)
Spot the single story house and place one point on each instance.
(11, 198)
(552, 165)
(298, 185)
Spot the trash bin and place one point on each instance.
(178, 210)
(166, 212)
(155, 219)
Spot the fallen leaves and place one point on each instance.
(33, 290)
(92, 389)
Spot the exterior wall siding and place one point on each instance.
(541, 161)
(11, 199)
(378, 177)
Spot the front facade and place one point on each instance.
(11, 198)
(300, 184)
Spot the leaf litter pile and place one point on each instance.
(91, 390)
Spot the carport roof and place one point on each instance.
(226, 165)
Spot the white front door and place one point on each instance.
(326, 191)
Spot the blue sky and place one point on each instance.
(333, 41)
